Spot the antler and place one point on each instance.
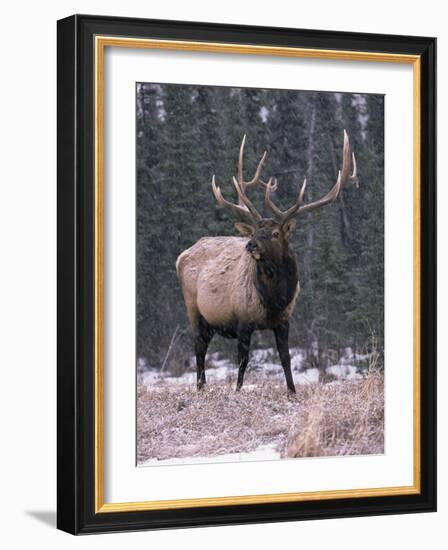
(344, 177)
(236, 209)
(244, 208)
(256, 179)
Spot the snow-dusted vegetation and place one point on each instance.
(336, 412)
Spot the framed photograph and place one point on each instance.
(246, 274)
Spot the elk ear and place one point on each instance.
(288, 227)
(245, 229)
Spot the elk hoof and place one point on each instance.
(200, 386)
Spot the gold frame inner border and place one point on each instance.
(100, 44)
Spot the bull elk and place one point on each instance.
(235, 285)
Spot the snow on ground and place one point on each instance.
(262, 362)
(346, 372)
(309, 376)
(263, 452)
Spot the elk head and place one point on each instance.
(268, 237)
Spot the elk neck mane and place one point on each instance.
(276, 282)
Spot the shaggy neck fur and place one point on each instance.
(276, 283)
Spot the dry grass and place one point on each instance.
(345, 418)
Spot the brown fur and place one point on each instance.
(217, 275)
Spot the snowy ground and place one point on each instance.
(177, 424)
(264, 362)
(263, 452)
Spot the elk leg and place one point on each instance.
(281, 337)
(244, 337)
(201, 341)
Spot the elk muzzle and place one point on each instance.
(253, 248)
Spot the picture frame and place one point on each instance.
(82, 201)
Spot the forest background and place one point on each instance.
(185, 134)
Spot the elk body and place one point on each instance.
(235, 285)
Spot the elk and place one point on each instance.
(233, 286)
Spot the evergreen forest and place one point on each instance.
(186, 134)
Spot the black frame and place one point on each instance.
(75, 474)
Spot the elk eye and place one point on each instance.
(275, 234)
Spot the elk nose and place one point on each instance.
(251, 246)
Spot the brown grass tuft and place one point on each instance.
(339, 418)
